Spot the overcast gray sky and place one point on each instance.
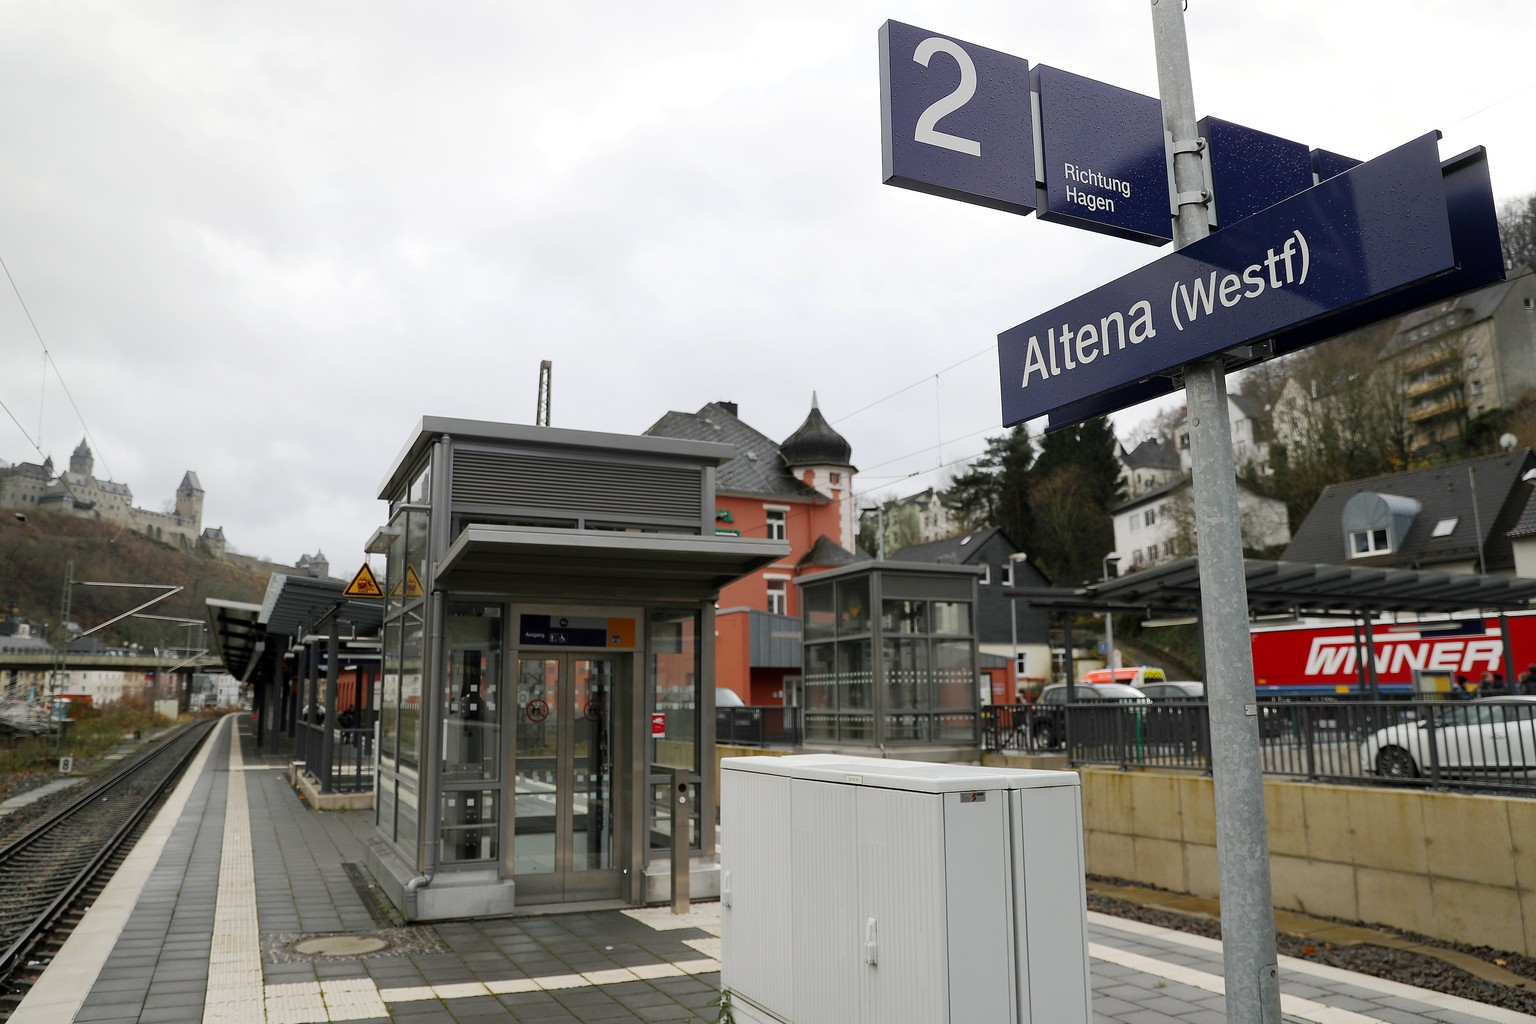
(260, 240)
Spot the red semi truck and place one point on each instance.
(1324, 660)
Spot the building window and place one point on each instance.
(837, 478)
(1007, 574)
(1473, 361)
(1149, 517)
(1445, 527)
(776, 524)
(1151, 552)
(1135, 523)
(778, 597)
(986, 573)
(1477, 387)
(1369, 542)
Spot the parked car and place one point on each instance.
(1487, 734)
(1174, 691)
(1048, 721)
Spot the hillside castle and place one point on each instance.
(26, 486)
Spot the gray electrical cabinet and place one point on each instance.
(873, 890)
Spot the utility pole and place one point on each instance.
(541, 413)
(1249, 957)
(60, 652)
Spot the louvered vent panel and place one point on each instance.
(610, 491)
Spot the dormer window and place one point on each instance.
(1376, 523)
(1369, 542)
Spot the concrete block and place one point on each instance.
(1388, 829)
(1203, 870)
(1286, 816)
(1156, 811)
(1528, 917)
(1330, 836)
(1160, 862)
(1108, 800)
(1197, 809)
(1396, 898)
(1482, 915)
(1469, 838)
(1314, 887)
(1522, 830)
(1109, 853)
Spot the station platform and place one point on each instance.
(242, 905)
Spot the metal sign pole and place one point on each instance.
(1242, 842)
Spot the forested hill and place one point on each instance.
(35, 556)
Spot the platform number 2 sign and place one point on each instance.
(955, 119)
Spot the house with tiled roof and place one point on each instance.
(799, 490)
(1149, 465)
(1462, 516)
(1158, 525)
(1250, 435)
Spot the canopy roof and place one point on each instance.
(1301, 588)
(660, 564)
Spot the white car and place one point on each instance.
(1483, 735)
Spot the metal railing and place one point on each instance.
(758, 726)
(351, 765)
(1486, 745)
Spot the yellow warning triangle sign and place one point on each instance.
(408, 585)
(364, 584)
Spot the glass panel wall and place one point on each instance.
(904, 675)
(401, 677)
(471, 753)
(674, 654)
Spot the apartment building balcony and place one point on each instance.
(1428, 385)
(1430, 410)
(1429, 358)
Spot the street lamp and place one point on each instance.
(1110, 561)
(1013, 615)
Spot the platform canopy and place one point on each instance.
(535, 560)
(1299, 588)
(296, 606)
(237, 632)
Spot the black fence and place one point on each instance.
(1486, 745)
(758, 726)
(351, 765)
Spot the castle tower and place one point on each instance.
(81, 461)
(823, 459)
(189, 502)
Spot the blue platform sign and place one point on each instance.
(956, 119)
(1382, 226)
(1103, 163)
(1326, 164)
(1251, 170)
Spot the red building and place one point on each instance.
(799, 490)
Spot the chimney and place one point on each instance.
(729, 407)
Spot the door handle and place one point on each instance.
(871, 945)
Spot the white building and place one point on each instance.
(1159, 525)
(1250, 444)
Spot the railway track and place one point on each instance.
(51, 874)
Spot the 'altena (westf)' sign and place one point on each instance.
(1376, 228)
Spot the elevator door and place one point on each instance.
(563, 816)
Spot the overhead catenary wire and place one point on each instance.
(48, 361)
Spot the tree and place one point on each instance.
(995, 490)
(1517, 230)
(1089, 446)
(1072, 532)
